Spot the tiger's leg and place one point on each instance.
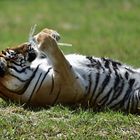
(72, 87)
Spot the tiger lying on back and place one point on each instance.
(39, 74)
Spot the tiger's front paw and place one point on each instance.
(55, 35)
(45, 33)
(47, 38)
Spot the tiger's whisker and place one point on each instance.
(32, 31)
(64, 44)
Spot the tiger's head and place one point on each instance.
(22, 56)
(17, 69)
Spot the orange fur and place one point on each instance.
(61, 70)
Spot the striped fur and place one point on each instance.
(52, 77)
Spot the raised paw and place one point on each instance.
(55, 35)
(45, 40)
(48, 32)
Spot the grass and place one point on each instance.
(64, 123)
(100, 28)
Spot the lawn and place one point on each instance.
(108, 28)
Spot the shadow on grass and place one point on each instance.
(74, 109)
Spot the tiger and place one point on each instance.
(37, 73)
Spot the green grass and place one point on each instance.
(64, 123)
(94, 27)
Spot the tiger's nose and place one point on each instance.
(3, 66)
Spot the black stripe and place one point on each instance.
(135, 103)
(44, 78)
(28, 102)
(16, 63)
(98, 66)
(19, 78)
(118, 94)
(137, 100)
(90, 83)
(105, 98)
(93, 64)
(119, 91)
(52, 87)
(130, 70)
(128, 92)
(130, 103)
(117, 80)
(24, 69)
(20, 71)
(26, 85)
(126, 75)
(106, 64)
(55, 100)
(104, 84)
(115, 64)
(90, 58)
(131, 82)
(28, 82)
(96, 84)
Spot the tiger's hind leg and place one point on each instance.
(65, 78)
